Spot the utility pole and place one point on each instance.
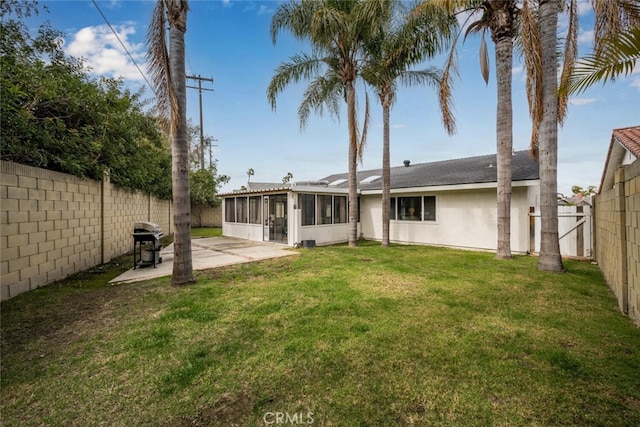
(210, 149)
(200, 79)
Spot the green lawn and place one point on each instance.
(335, 336)
(206, 232)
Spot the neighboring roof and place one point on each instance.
(471, 170)
(629, 138)
(623, 140)
(259, 187)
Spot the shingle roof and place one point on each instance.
(471, 170)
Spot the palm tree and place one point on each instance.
(167, 70)
(550, 258)
(612, 17)
(337, 32)
(499, 18)
(402, 43)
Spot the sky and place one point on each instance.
(230, 42)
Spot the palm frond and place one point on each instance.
(475, 27)
(532, 50)
(426, 34)
(159, 69)
(484, 60)
(293, 16)
(326, 23)
(569, 59)
(362, 140)
(613, 18)
(431, 76)
(617, 57)
(301, 67)
(445, 97)
(323, 92)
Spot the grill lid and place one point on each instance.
(148, 227)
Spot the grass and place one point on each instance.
(336, 336)
(206, 232)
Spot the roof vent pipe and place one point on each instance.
(407, 163)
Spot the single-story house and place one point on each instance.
(446, 203)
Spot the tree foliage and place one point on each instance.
(204, 185)
(55, 116)
(204, 181)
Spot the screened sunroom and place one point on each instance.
(287, 214)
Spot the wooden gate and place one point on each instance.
(575, 228)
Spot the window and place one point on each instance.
(410, 208)
(429, 208)
(241, 209)
(255, 211)
(308, 206)
(392, 208)
(340, 210)
(324, 209)
(230, 209)
(413, 208)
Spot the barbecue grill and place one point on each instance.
(146, 244)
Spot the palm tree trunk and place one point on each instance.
(550, 259)
(504, 136)
(386, 170)
(353, 158)
(182, 259)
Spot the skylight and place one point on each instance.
(370, 179)
(337, 182)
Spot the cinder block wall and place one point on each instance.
(632, 187)
(206, 216)
(617, 238)
(53, 225)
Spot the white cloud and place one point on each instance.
(226, 3)
(584, 7)
(517, 70)
(635, 76)
(104, 54)
(582, 101)
(586, 36)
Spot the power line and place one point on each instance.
(122, 44)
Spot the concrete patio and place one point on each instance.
(208, 253)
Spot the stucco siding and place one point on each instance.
(464, 219)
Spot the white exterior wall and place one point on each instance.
(325, 234)
(464, 219)
(242, 231)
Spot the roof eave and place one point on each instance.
(454, 187)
